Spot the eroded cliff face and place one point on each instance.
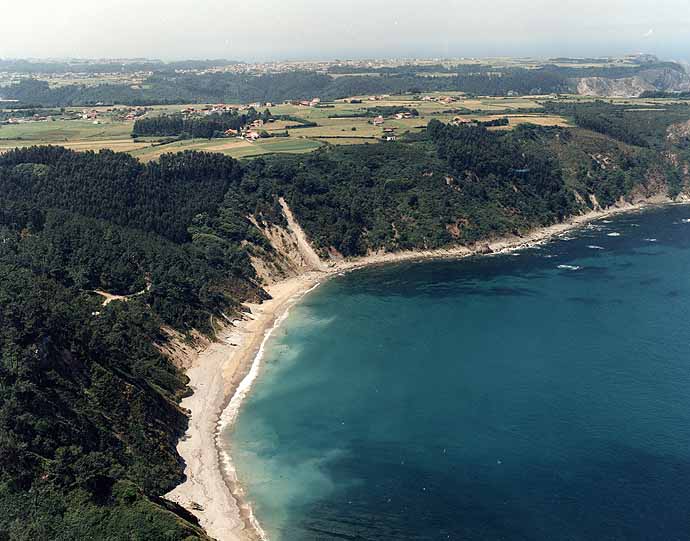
(292, 253)
(679, 134)
(612, 88)
(655, 79)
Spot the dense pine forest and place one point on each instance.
(89, 415)
(639, 126)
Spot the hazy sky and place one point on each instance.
(311, 29)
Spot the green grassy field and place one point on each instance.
(65, 130)
(77, 134)
(237, 148)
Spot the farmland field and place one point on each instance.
(235, 147)
(77, 134)
(59, 131)
(337, 123)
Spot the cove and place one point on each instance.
(538, 395)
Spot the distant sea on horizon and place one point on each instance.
(542, 395)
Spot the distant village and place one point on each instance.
(94, 115)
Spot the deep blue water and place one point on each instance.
(499, 398)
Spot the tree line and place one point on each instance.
(193, 126)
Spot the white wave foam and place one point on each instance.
(570, 267)
(230, 413)
(595, 247)
(614, 234)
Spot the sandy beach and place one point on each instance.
(222, 374)
(214, 376)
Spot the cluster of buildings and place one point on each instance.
(121, 113)
(379, 98)
(224, 108)
(93, 115)
(260, 68)
(134, 113)
(210, 109)
(441, 99)
(328, 66)
(89, 115)
(314, 102)
(402, 116)
(380, 120)
(250, 132)
(462, 121)
(388, 132)
(22, 120)
(251, 135)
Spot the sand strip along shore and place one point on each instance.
(211, 491)
(215, 375)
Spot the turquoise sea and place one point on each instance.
(543, 395)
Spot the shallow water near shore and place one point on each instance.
(538, 395)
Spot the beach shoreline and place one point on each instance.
(222, 374)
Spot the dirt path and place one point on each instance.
(109, 297)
